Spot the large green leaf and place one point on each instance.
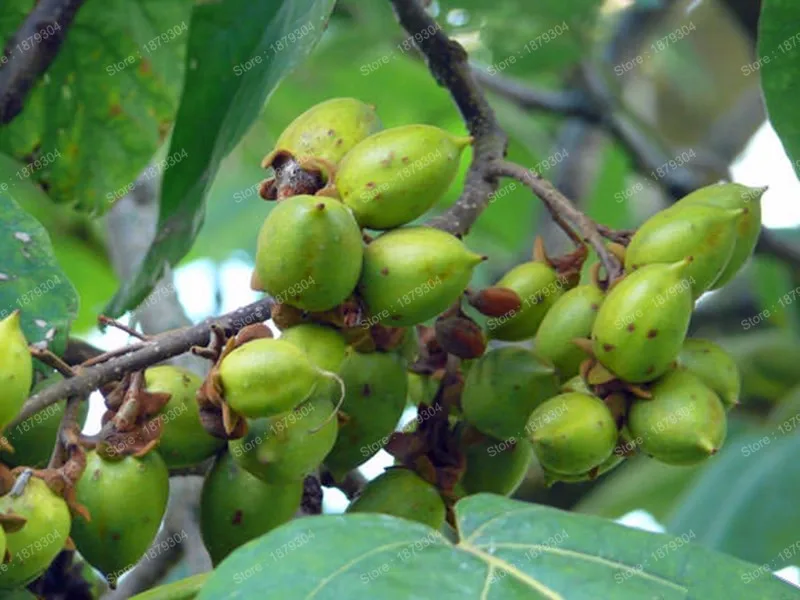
(508, 550)
(106, 102)
(779, 53)
(30, 279)
(238, 52)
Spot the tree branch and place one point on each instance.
(448, 62)
(22, 67)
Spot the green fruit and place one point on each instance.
(571, 316)
(572, 433)
(376, 386)
(324, 346)
(682, 424)
(285, 448)
(538, 286)
(413, 274)
(495, 466)
(184, 441)
(707, 234)
(576, 384)
(126, 500)
(503, 387)
(236, 507)
(401, 493)
(16, 368)
(266, 377)
(421, 389)
(395, 176)
(33, 438)
(34, 546)
(309, 253)
(640, 327)
(733, 196)
(612, 462)
(327, 131)
(714, 367)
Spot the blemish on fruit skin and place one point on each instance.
(384, 271)
(652, 333)
(608, 347)
(650, 369)
(366, 390)
(96, 475)
(631, 327)
(594, 307)
(331, 132)
(115, 536)
(237, 518)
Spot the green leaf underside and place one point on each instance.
(509, 550)
(30, 278)
(223, 35)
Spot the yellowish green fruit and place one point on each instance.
(396, 175)
(126, 499)
(184, 441)
(539, 287)
(682, 424)
(411, 275)
(576, 384)
(401, 493)
(572, 433)
(714, 367)
(323, 345)
(496, 466)
(571, 316)
(503, 387)
(16, 368)
(643, 321)
(34, 546)
(236, 507)
(309, 253)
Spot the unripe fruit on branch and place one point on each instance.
(748, 227)
(538, 287)
(503, 387)
(714, 367)
(643, 321)
(612, 462)
(33, 546)
(682, 424)
(576, 384)
(236, 507)
(16, 368)
(571, 316)
(401, 493)
(496, 466)
(126, 500)
(572, 433)
(396, 175)
(324, 346)
(413, 274)
(326, 131)
(309, 253)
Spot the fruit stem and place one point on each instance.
(342, 391)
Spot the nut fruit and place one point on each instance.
(495, 466)
(396, 175)
(16, 368)
(324, 346)
(309, 253)
(714, 367)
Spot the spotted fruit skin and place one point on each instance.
(682, 424)
(34, 546)
(733, 196)
(184, 441)
(539, 287)
(641, 325)
(16, 368)
(707, 234)
(411, 275)
(503, 387)
(327, 131)
(324, 346)
(236, 507)
(309, 252)
(714, 367)
(376, 387)
(496, 466)
(126, 500)
(396, 175)
(571, 316)
(572, 433)
(285, 448)
(266, 377)
(401, 493)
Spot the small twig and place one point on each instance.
(101, 358)
(69, 421)
(51, 360)
(104, 320)
(560, 205)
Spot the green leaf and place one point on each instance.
(508, 550)
(779, 52)
(238, 52)
(30, 278)
(746, 503)
(107, 101)
(772, 280)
